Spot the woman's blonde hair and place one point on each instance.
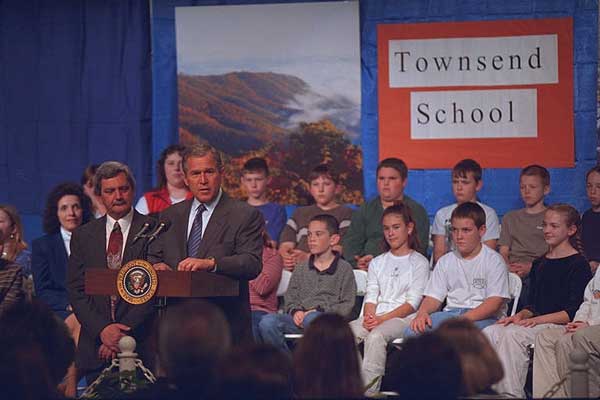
(18, 243)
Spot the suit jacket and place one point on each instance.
(233, 237)
(49, 267)
(88, 250)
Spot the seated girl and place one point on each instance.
(558, 280)
(395, 284)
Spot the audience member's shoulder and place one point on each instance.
(303, 212)
(418, 258)
(488, 210)
(450, 258)
(176, 208)
(42, 241)
(446, 210)
(580, 262)
(414, 204)
(11, 266)
(344, 265)
(90, 226)
(493, 255)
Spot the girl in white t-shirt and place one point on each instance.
(395, 284)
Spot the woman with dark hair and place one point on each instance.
(171, 186)
(326, 361)
(67, 207)
(12, 243)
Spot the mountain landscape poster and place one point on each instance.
(279, 81)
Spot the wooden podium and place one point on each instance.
(103, 282)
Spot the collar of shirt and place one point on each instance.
(210, 208)
(329, 270)
(124, 223)
(66, 237)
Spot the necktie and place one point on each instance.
(113, 259)
(195, 238)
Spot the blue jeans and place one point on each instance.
(273, 327)
(256, 317)
(440, 316)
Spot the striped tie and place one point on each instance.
(195, 238)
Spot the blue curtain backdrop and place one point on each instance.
(430, 187)
(75, 89)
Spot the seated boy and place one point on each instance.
(521, 237)
(466, 182)
(364, 238)
(473, 279)
(325, 283)
(255, 180)
(590, 221)
(293, 244)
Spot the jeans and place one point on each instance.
(273, 327)
(256, 317)
(440, 316)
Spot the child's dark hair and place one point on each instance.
(332, 224)
(463, 167)
(595, 169)
(396, 164)
(470, 210)
(572, 218)
(323, 170)
(536, 170)
(403, 210)
(256, 164)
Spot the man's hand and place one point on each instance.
(111, 334)
(298, 318)
(421, 322)
(363, 262)
(575, 326)
(521, 269)
(105, 353)
(161, 267)
(196, 264)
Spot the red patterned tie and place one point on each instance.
(113, 260)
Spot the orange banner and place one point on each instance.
(500, 92)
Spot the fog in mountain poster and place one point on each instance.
(279, 81)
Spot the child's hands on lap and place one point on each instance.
(421, 322)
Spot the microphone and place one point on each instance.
(162, 226)
(142, 233)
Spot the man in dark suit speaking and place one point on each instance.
(215, 233)
(107, 242)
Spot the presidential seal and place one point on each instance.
(137, 282)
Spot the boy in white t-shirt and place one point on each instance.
(473, 279)
(466, 182)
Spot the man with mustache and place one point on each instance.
(107, 242)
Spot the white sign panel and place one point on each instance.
(512, 60)
(469, 114)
